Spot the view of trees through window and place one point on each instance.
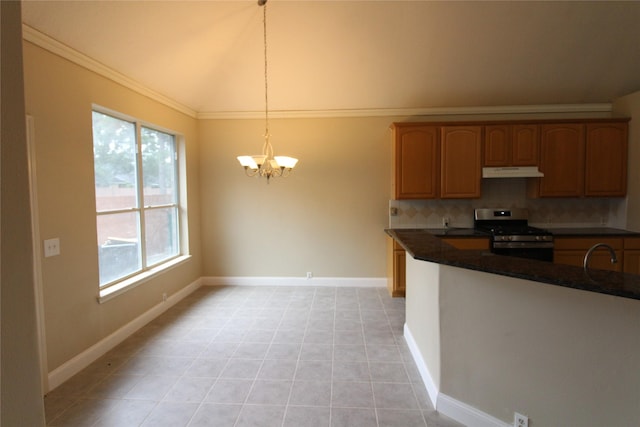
(136, 196)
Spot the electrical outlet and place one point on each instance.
(520, 420)
(164, 296)
(446, 222)
(309, 275)
(51, 247)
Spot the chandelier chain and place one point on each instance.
(266, 85)
(266, 165)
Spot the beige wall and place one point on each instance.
(21, 403)
(630, 106)
(327, 218)
(423, 315)
(59, 96)
(561, 356)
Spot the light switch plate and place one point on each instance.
(51, 247)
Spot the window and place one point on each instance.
(136, 184)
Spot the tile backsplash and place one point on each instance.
(507, 193)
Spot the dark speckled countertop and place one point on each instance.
(592, 232)
(426, 245)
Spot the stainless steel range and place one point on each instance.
(511, 234)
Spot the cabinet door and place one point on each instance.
(572, 250)
(396, 258)
(399, 273)
(460, 162)
(562, 149)
(525, 149)
(598, 261)
(606, 160)
(497, 146)
(631, 255)
(632, 261)
(416, 162)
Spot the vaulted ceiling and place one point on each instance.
(358, 55)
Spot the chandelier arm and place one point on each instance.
(250, 172)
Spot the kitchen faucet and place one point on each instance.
(587, 256)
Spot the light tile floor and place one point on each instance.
(257, 356)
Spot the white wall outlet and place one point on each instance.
(309, 275)
(446, 222)
(520, 420)
(51, 247)
(164, 296)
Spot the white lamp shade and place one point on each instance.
(247, 162)
(286, 161)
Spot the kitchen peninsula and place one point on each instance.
(427, 245)
(493, 335)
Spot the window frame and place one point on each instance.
(147, 270)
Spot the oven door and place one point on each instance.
(542, 251)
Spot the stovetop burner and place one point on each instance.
(503, 230)
(506, 222)
(510, 234)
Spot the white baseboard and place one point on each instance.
(465, 414)
(93, 353)
(432, 388)
(447, 405)
(359, 282)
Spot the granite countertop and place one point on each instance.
(591, 232)
(426, 246)
(557, 231)
(452, 232)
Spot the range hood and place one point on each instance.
(512, 172)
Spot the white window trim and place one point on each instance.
(118, 287)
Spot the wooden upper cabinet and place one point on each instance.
(579, 158)
(526, 145)
(416, 162)
(606, 160)
(511, 145)
(497, 145)
(562, 154)
(460, 162)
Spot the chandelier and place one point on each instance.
(266, 164)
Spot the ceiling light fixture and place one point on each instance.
(266, 164)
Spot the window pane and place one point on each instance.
(158, 167)
(114, 155)
(161, 234)
(118, 245)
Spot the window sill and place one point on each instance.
(132, 282)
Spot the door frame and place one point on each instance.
(37, 255)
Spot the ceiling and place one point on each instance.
(357, 55)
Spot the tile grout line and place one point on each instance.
(246, 306)
(204, 399)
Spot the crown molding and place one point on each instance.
(42, 40)
(598, 108)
